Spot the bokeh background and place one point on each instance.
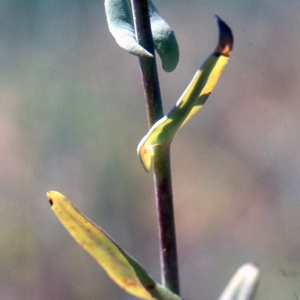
(72, 113)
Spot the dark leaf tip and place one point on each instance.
(225, 39)
(50, 198)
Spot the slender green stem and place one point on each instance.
(161, 159)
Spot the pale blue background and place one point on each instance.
(72, 113)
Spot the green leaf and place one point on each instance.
(119, 265)
(243, 284)
(165, 42)
(121, 25)
(192, 99)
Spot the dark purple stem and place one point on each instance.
(147, 65)
(164, 202)
(161, 159)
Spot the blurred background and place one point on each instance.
(72, 113)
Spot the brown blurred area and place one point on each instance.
(72, 113)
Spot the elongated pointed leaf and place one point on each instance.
(193, 98)
(243, 284)
(165, 42)
(120, 24)
(119, 265)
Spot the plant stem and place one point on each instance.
(164, 202)
(148, 65)
(161, 159)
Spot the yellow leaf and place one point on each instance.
(192, 99)
(119, 265)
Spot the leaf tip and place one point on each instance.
(50, 197)
(225, 44)
(135, 48)
(168, 50)
(243, 284)
(145, 155)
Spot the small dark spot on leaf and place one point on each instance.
(150, 287)
(51, 202)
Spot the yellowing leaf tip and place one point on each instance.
(145, 153)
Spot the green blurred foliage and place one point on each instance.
(72, 114)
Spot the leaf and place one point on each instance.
(243, 284)
(120, 24)
(165, 42)
(119, 265)
(192, 99)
